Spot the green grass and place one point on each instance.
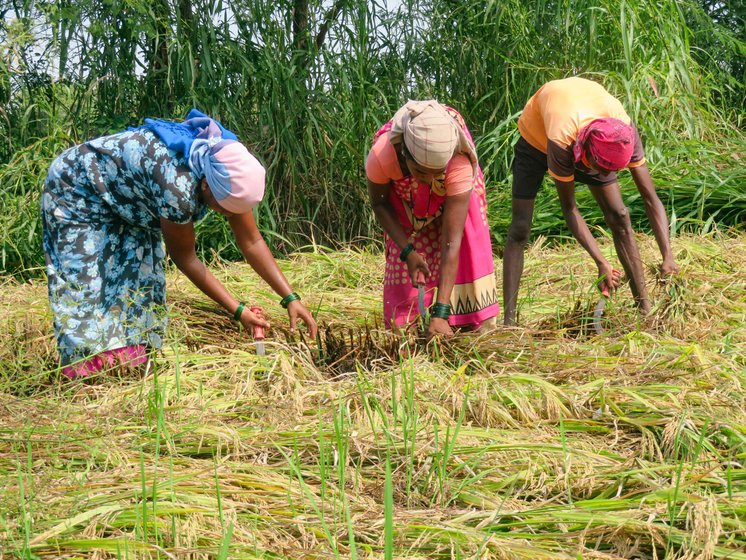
(308, 103)
(535, 442)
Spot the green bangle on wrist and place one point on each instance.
(440, 310)
(239, 310)
(288, 298)
(405, 252)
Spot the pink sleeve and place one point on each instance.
(381, 166)
(459, 175)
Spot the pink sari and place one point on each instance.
(419, 206)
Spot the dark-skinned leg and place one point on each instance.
(518, 232)
(616, 214)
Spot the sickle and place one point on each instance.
(598, 313)
(259, 332)
(421, 293)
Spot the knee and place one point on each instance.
(618, 220)
(519, 231)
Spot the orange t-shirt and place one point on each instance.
(382, 166)
(554, 116)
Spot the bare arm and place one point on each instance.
(379, 200)
(386, 217)
(180, 239)
(656, 215)
(257, 254)
(254, 249)
(453, 219)
(452, 232)
(566, 192)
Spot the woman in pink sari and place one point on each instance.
(427, 191)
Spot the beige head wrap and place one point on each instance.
(430, 134)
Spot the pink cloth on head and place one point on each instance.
(610, 142)
(245, 174)
(131, 356)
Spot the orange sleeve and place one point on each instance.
(459, 175)
(381, 166)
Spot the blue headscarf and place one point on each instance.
(235, 177)
(179, 136)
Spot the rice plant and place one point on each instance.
(532, 442)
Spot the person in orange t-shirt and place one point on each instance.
(428, 193)
(577, 131)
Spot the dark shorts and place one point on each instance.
(530, 166)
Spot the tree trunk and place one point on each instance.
(157, 99)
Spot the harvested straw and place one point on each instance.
(532, 442)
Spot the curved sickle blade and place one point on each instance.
(421, 299)
(598, 315)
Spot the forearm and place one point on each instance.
(455, 210)
(654, 209)
(179, 239)
(385, 216)
(201, 277)
(258, 255)
(449, 265)
(659, 223)
(580, 231)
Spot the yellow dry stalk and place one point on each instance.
(528, 442)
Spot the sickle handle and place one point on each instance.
(258, 331)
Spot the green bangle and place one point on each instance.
(441, 310)
(239, 310)
(405, 252)
(288, 298)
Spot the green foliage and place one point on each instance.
(306, 83)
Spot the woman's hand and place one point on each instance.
(417, 267)
(249, 320)
(439, 327)
(296, 310)
(258, 255)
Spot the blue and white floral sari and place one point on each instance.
(101, 206)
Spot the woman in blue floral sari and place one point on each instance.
(107, 207)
